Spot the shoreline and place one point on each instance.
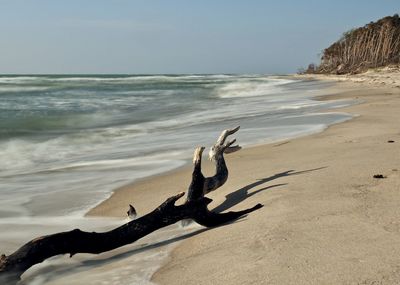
(333, 93)
(102, 208)
(191, 252)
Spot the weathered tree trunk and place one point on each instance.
(77, 241)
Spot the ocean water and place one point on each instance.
(66, 141)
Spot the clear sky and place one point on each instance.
(170, 36)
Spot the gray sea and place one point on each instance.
(66, 141)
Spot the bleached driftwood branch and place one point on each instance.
(216, 155)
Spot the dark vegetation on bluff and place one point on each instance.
(376, 44)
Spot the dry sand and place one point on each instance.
(378, 77)
(326, 220)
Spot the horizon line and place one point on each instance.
(138, 74)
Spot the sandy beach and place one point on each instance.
(326, 220)
(105, 110)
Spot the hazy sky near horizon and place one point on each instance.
(219, 36)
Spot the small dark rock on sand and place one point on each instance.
(379, 176)
(390, 141)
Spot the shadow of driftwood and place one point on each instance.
(242, 194)
(122, 255)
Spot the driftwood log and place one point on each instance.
(77, 241)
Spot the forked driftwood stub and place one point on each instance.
(216, 155)
(77, 241)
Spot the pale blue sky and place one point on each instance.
(170, 36)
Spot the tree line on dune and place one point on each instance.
(377, 44)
